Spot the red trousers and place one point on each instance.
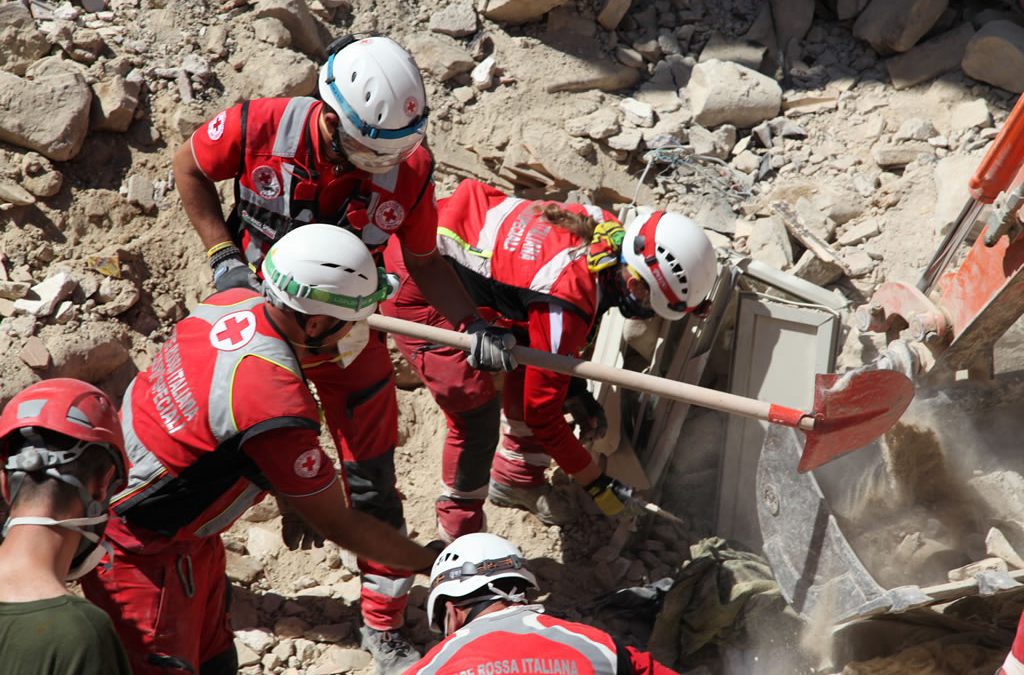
(469, 401)
(169, 605)
(361, 411)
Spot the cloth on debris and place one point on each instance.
(640, 601)
(717, 593)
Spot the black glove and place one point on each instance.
(609, 494)
(230, 271)
(295, 531)
(490, 347)
(436, 546)
(587, 414)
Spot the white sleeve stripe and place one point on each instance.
(555, 318)
(192, 147)
(1012, 666)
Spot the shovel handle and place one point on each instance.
(648, 384)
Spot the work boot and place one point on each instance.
(549, 505)
(392, 652)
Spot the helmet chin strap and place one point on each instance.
(314, 343)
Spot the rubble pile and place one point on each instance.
(831, 139)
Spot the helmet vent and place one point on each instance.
(674, 266)
(367, 97)
(353, 76)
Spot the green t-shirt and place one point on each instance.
(59, 636)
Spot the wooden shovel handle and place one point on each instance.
(649, 384)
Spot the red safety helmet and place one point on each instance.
(70, 407)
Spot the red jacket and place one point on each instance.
(1014, 663)
(222, 415)
(535, 276)
(520, 640)
(269, 146)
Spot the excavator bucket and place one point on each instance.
(851, 410)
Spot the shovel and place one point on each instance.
(850, 410)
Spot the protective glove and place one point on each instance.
(490, 346)
(587, 414)
(436, 546)
(609, 494)
(295, 531)
(229, 270)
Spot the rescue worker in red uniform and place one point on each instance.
(222, 416)
(548, 270)
(1014, 663)
(478, 588)
(355, 159)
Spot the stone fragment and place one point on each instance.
(336, 660)
(328, 632)
(457, 19)
(519, 11)
(895, 156)
(996, 544)
(951, 176)
(276, 72)
(13, 290)
(444, 58)
(629, 57)
(482, 75)
(44, 297)
(113, 104)
(717, 144)
(745, 53)
(117, 296)
(34, 354)
(995, 55)
(892, 26)
(21, 43)
(272, 31)
(969, 571)
(296, 17)
(722, 92)
(246, 655)
(14, 194)
(243, 569)
(915, 129)
(931, 58)
(626, 140)
(589, 71)
(612, 12)
(263, 543)
(216, 40)
(637, 112)
(140, 193)
(815, 220)
(970, 115)
(40, 178)
(858, 262)
(858, 233)
(59, 133)
(817, 271)
(257, 639)
(769, 243)
(746, 161)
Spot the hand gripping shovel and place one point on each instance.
(849, 412)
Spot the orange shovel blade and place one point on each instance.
(852, 410)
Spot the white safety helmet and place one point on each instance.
(376, 90)
(676, 259)
(324, 269)
(470, 563)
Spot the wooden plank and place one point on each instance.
(812, 242)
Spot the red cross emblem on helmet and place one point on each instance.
(412, 107)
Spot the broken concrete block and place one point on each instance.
(969, 571)
(140, 193)
(931, 58)
(444, 58)
(995, 55)
(457, 20)
(769, 242)
(34, 354)
(482, 76)
(970, 115)
(58, 134)
(519, 11)
(637, 112)
(44, 297)
(113, 104)
(996, 544)
(915, 129)
(14, 290)
(858, 262)
(817, 271)
(296, 17)
(894, 26)
(895, 156)
(733, 50)
(592, 70)
(278, 72)
(21, 43)
(723, 92)
(626, 140)
(12, 193)
(858, 233)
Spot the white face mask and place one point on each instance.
(90, 551)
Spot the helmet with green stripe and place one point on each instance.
(324, 269)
